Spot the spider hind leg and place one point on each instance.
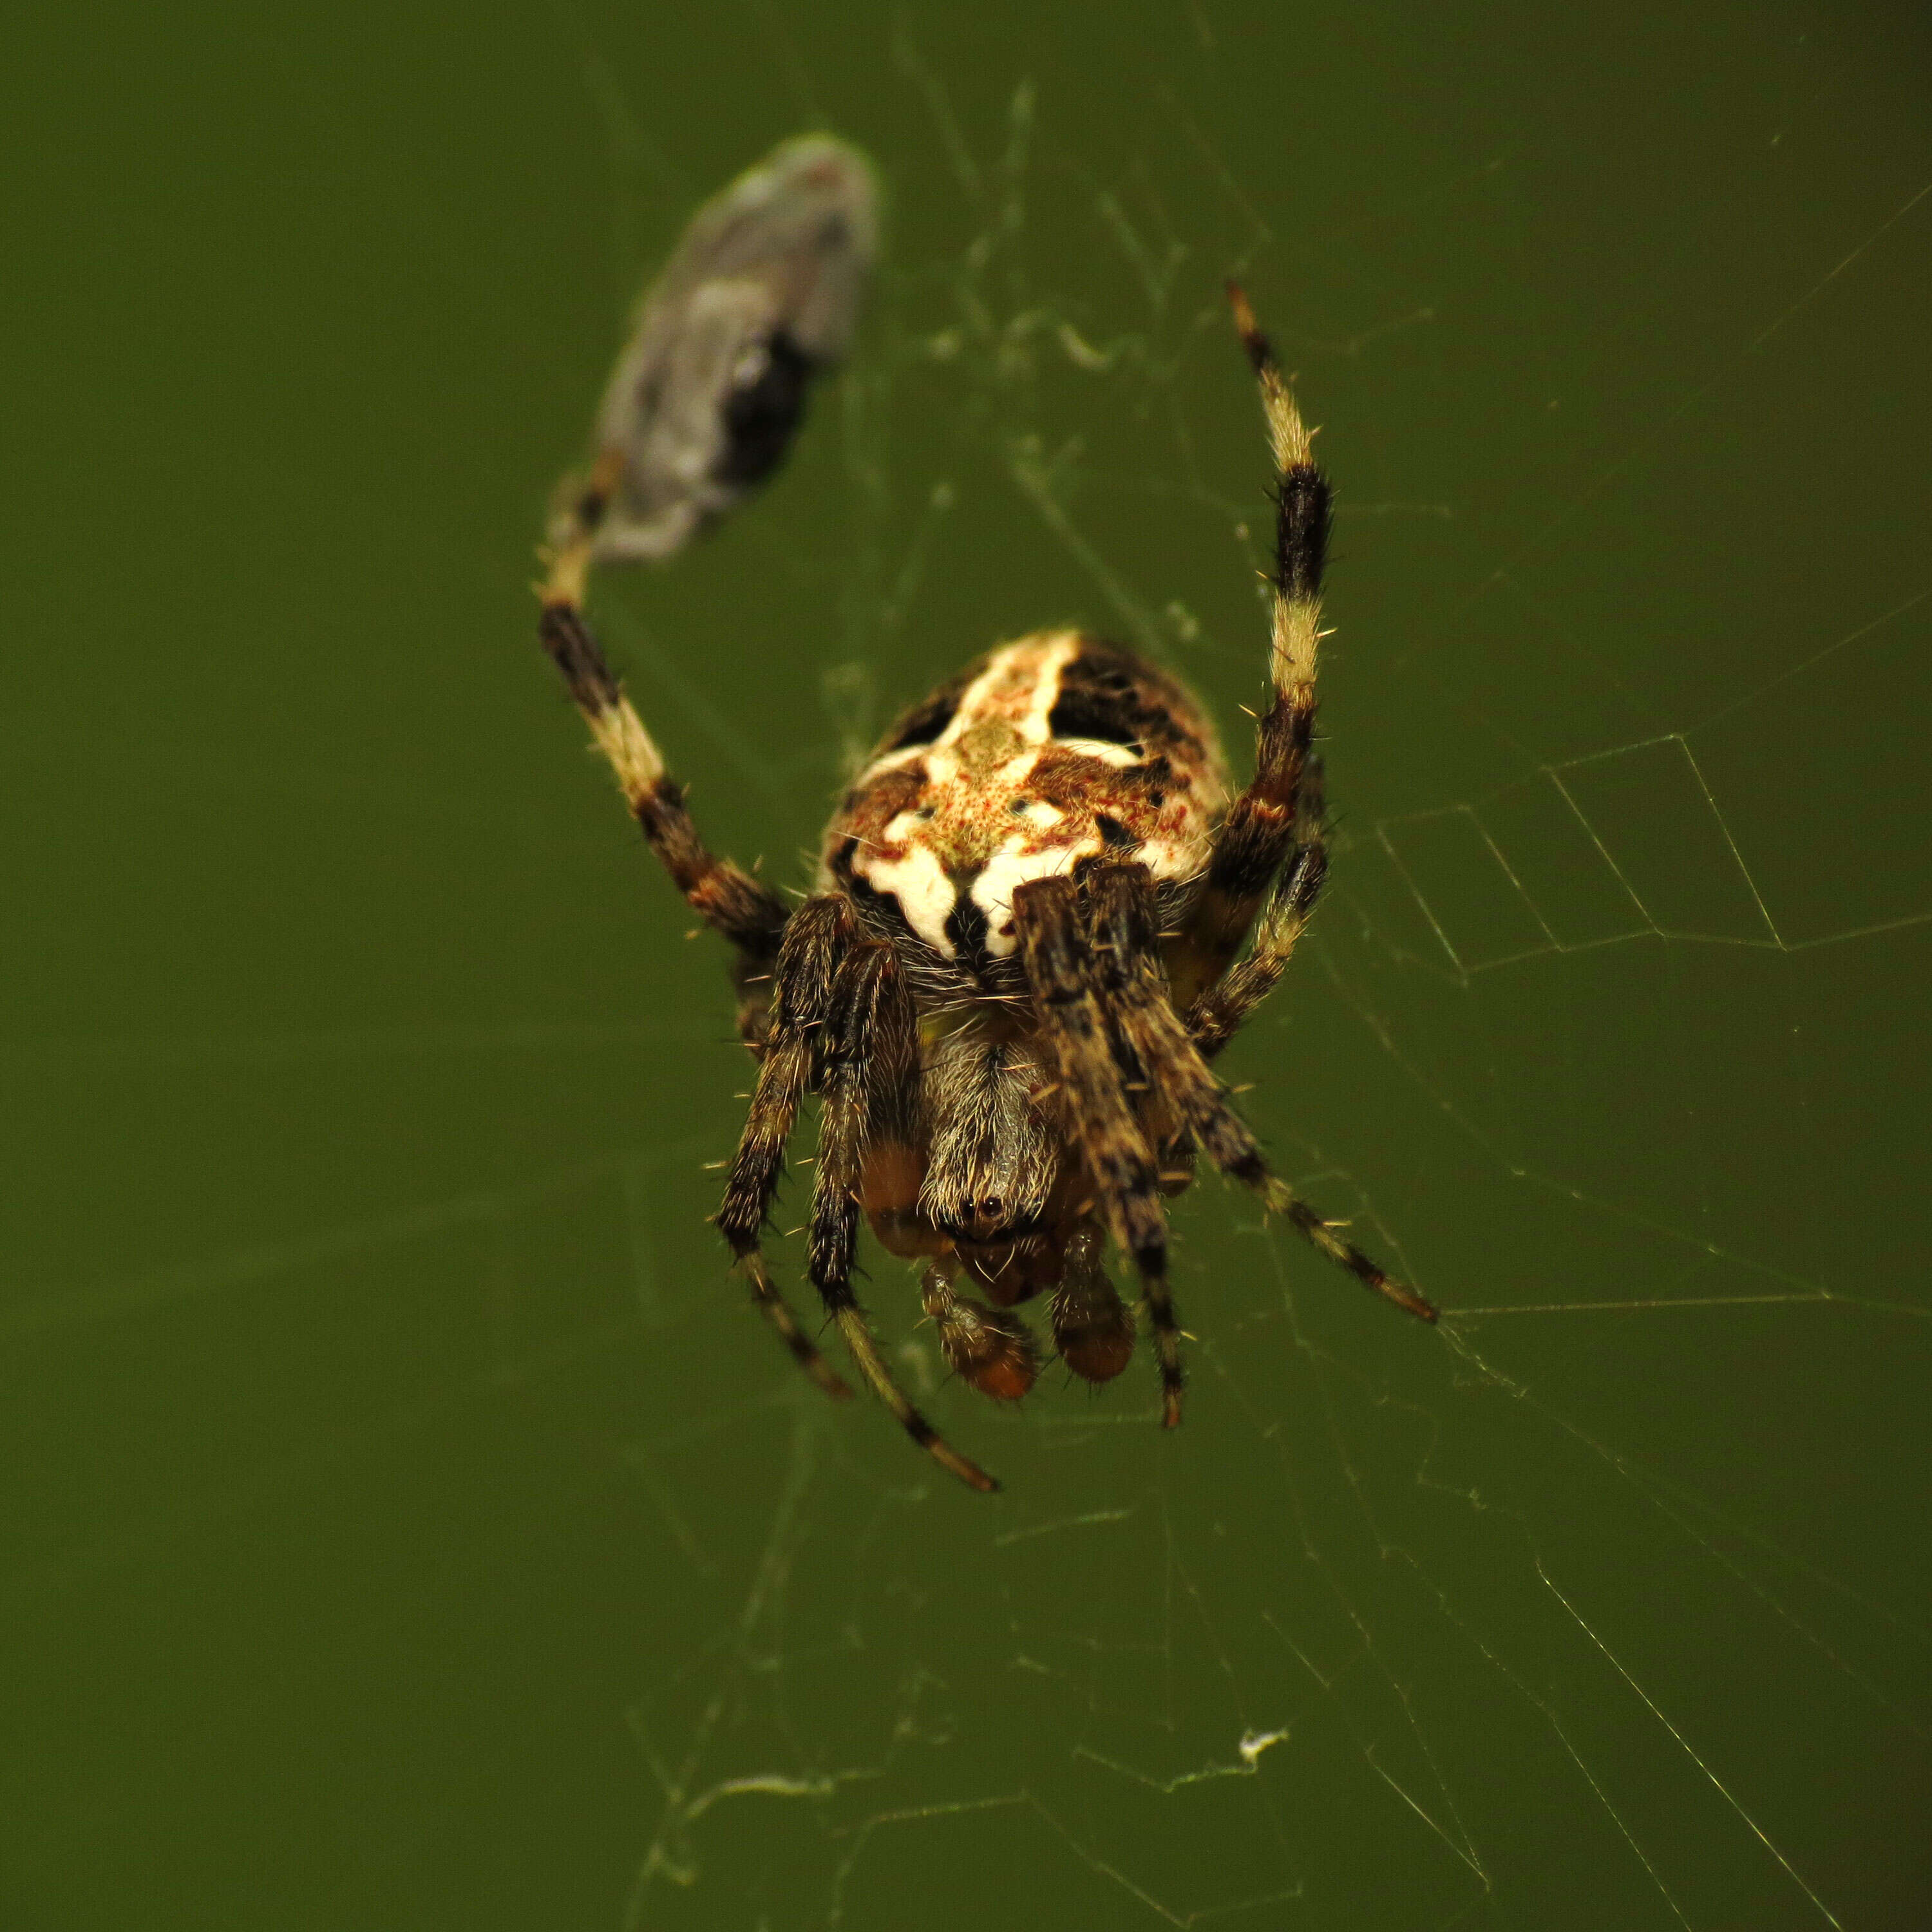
(1150, 1035)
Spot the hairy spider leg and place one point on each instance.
(815, 943)
(750, 915)
(1222, 1009)
(753, 918)
(1058, 957)
(842, 1024)
(1126, 945)
(1272, 840)
(871, 1018)
(1148, 1034)
(1277, 820)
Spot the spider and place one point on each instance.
(1039, 915)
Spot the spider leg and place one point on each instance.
(767, 1296)
(1221, 1009)
(750, 916)
(1133, 986)
(1061, 970)
(817, 939)
(871, 1022)
(1273, 816)
(815, 944)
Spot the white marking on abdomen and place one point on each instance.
(919, 884)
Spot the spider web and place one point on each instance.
(1600, 1605)
(1410, 1616)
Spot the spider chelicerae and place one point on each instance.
(1039, 915)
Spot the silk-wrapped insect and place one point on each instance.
(760, 296)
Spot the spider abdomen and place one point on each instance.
(1047, 750)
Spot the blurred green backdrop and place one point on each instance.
(406, 1524)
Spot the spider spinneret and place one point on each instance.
(1041, 909)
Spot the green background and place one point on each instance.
(406, 1525)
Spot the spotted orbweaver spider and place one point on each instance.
(1024, 946)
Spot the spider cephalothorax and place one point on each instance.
(1024, 946)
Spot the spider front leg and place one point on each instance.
(871, 1039)
(1056, 951)
(1279, 817)
(1222, 1008)
(750, 916)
